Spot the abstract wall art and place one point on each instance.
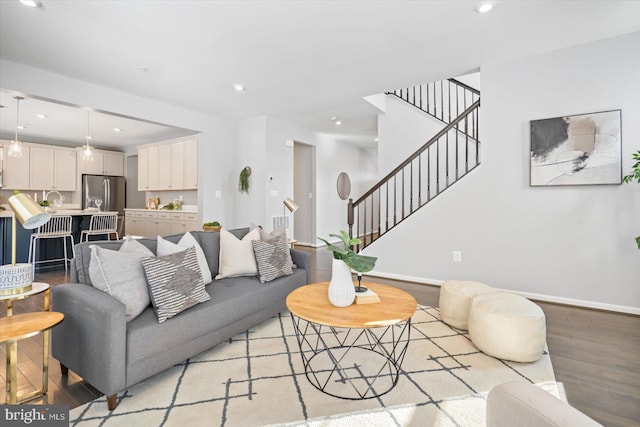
(583, 149)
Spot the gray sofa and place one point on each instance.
(98, 344)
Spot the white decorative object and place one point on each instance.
(342, 292)
(15, 279)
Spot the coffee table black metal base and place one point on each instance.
(352, 363)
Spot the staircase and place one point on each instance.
(438, 164)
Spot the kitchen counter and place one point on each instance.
(183, 210)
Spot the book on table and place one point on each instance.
(368, 297)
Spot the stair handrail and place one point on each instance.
(413, 156)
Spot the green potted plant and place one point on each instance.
(211, 226)
(341, 287)
(243, 183)
(634, 175)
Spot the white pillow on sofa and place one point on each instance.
(236, 256)
(165, 247)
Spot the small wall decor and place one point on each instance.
(243, 182)
(583, 149)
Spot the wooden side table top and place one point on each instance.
(311, 302)
(21, 326)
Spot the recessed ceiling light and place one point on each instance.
(21, 127)
(238, 87)
(31, 3)
(333, 118)
(41, 116)
(89, 137)
(117, 130)
(338, 122)
(375, 139)
(484, 7)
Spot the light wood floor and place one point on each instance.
(595, 354)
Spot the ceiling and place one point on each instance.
(302, 61)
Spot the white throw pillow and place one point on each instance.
(120, 274)
(165, 247)
(236, 256)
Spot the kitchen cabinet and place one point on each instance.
(104, 163)
(143, 169)
(168, 166)
(149, 223)
(52, 168)
(15, 170)
(190, 150)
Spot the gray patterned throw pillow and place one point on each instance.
(175, 283)
(273, 258)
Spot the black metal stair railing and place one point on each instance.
(444, 100)
(439, 163)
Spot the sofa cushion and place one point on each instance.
(236, 254)
(119, 273)
(166, 247)
(273, 258)
(175, 282)
(231, 300)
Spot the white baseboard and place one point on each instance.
(531, 295)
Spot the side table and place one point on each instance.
(36, 288)
(19, 327)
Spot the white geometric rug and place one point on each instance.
(257, 378)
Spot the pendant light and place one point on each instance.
(15, 147)
(87, 152)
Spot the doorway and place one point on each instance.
(304, 193)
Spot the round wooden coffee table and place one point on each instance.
(352, 352)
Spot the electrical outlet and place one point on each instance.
(457, 256)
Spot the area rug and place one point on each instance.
(257, 378)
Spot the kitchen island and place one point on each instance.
(47, 248)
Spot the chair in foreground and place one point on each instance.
(519, 403)
(101, 224)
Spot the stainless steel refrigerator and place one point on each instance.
(110, 189)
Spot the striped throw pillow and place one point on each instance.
(175, 282)
(273, 258)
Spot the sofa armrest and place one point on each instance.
(302, 260)
(525, 405)
(91, 340)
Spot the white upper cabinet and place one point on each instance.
(15, 170)
(104, 163)
(190, 164)
(168, 166)
(143, 169)
(52, 168)
(64, 170)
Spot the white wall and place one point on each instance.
(215, 142)
(571, 244)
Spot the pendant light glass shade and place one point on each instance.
(87, 151)
(15, 147)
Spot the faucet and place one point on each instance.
(60, 196)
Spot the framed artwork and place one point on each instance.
(584, 149)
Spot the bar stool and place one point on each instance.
(58, 227)
(102, 223)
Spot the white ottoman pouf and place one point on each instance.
(507, 326)
(455, 300)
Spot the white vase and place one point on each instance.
(342, 292)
